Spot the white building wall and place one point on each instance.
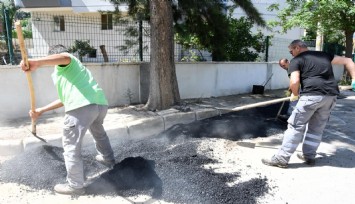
(279, 41)
(261, 6)
(83, 26)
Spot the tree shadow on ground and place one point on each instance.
(341, 158)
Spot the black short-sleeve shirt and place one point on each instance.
(316, 73)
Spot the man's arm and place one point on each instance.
(38, 112)
(56, 59)
(295, 82)
(349, 64)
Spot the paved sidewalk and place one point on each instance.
(124, 122)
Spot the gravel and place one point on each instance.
(175, 166)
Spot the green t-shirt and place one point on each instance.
(76, 87)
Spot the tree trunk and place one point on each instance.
(163, 89)
(348, 52)
(349, 43)
(319, 38)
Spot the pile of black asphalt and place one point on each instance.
(167, 166)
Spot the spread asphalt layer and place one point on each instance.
(198, 162)
(168, 166)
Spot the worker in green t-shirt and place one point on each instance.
(85, 107)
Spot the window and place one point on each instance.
(106, 22)
(59, 23)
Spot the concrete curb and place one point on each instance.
(136, 129)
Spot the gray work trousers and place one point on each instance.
(76, 123)
(314, 110)
(291, 107)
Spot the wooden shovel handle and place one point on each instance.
(255, 105)
(28, 74)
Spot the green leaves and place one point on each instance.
(330, 17)
(201, 24)
(242, 44)
(330, 14)
(82, 47)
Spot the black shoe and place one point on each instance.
(68, 190)
(274, 162)
(307, 161)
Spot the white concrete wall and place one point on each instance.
(201, 80)
(115, 79)
(196, 80)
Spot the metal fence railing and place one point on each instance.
(278, 48)
(108, 41)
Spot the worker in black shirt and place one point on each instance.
(313, 71)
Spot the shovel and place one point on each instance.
(254, 105)
(278, 113)
(29, 78)
(259, 104)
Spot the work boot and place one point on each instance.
(108, 163)
(274, 161)
(68, 190)
(307, 161)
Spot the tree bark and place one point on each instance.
(104, 53)
(319, 39)
(348, 51)
(349, 43)
(163, 89)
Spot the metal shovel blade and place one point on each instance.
(35, 135)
